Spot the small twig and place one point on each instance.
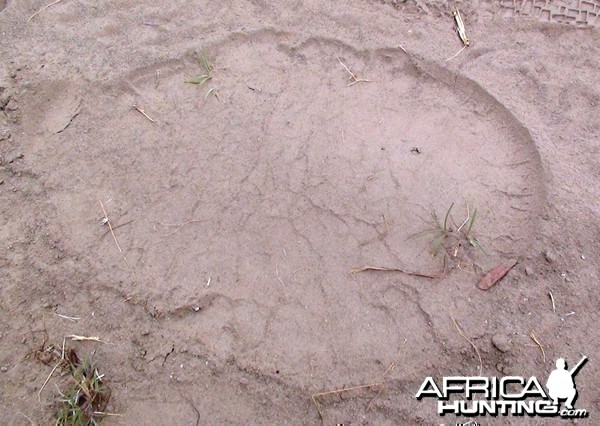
(278, 277)
(43, 8)
(103, 413)
(552, 300)
(30, 421)
(466, 220)
(117, 227)
(77, 338)
(384, 269)
(48, 379)
(143, 113)
(62, 358)
(179, 226)
(352, 76)
(471, 342)
(107, 221)
(537, 342)
(456, 54)
(68, 318)
(460, 27)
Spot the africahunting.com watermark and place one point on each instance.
(507, 396)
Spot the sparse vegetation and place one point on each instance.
(443, 231)
(205, 77)
(86, 399)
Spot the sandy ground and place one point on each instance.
(242, 206)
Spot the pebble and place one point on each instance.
(528, 271)
(501, 342)
(550, 256)
(4, 369)
(14, 157)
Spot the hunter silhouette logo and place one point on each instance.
(510, 395)
(561, 384)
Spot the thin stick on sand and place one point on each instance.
(60, 361)
(384, 269)
(143, 113)
(552, 300)
(537, 342)
(471, 342)
(179, 226)
(462, 33)
(107, 221)
(352, 76)
(42, 9)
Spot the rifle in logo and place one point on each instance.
(560, 383)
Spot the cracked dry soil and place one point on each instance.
(240, 217)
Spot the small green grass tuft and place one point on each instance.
(442, 231)
(83, 404)
(439, 231)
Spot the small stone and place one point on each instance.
(500, 367)
(501, 342)
(47, 305)
(5, 135)
(550, 256)
(3, 369)
(528, 271)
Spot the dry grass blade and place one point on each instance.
(48, 379)
(42, 9)
(107, 221)
(76, 338)
(460, 27)
(354, 79)
(384, 269)
(179, 226)
(68, 318)
(537, 342)
(205, 62)
(114, 228)
(552, 300)
(337, 391)
(471, 342)
(141, 111)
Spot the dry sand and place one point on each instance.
(243, 214)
